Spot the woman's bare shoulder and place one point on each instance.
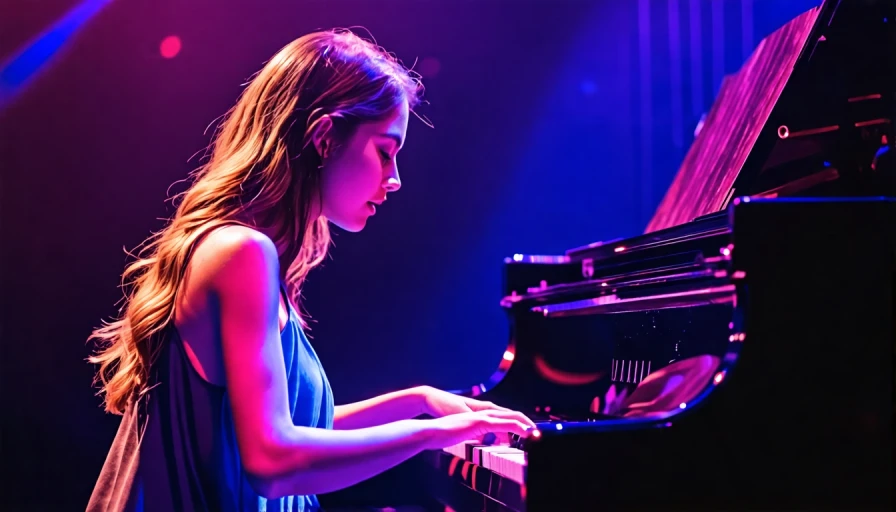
(226, 261)
(234, 252)
(230, 265)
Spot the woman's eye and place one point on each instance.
(385, 156)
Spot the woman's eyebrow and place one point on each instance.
(393, 136)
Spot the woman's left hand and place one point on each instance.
(438, 403)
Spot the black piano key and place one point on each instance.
(469, 451)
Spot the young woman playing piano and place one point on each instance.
(224, 403)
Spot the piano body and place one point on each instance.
(738, 354)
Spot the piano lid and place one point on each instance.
(704, 183)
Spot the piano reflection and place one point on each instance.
(738, 354)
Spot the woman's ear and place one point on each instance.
(322, 136)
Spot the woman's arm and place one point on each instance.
(395, 406)
(279, 457)
(407, 404)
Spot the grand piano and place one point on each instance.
(739, 354)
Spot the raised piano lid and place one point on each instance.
(705, 181)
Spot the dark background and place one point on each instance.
(557, 123)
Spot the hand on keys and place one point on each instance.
(495, 424)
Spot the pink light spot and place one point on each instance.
(170, 47)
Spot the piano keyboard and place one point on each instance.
(501, 459)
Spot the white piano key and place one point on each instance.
(458, 450)
(502, 459)
(480, 452)
(509, 465)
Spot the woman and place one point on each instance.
(225, 405)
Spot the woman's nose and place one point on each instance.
(393, 182)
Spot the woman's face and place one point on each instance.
(358, 174)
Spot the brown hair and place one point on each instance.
(262, 166)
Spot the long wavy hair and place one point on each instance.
(262, 166)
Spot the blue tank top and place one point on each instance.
(176, 449)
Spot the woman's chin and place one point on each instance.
(352, 226)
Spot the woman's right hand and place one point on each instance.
(457, 428)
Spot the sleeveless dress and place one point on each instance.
(176, 449)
